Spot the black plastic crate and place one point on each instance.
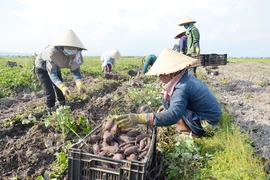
(213, 59)
(87, 166)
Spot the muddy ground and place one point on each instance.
(28, 150)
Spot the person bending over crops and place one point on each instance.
(63, 53)
(147, 61)
(188, 102)
(182, 45)
(193, 41)
(108, 59)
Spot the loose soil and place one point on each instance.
(27, 151)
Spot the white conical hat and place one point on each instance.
(115, 54)
(186, 20)
(180, 33)
(69, 39)
(170, 61)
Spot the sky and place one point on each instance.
(239, 28)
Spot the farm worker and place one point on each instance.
(147, 61)
(108, 59)
(182, 45)
(193, 41)
(63, 53)
(189, 103)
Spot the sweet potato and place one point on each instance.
(133, 133)
(130, 150)
(94, 138)
(108, 136)
(109, 150)
(96, 149)
(147, 144)
(125, 138)
(141, 136)
(118, 156)
(131, 157)
(115, 129)
(142, 155)
(108, 124)
(142, 144)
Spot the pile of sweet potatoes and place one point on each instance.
(111, 141)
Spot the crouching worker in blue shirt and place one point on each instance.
(189, 103)
(147, 61)
(63, 53)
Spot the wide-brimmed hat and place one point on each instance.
(180, 34)
(170, 61)
(69, 39)
(186, 20)
(115, 54)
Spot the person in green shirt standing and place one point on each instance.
(193, 41)
(147, 61)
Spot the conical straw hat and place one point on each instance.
(186, 20)
(170, 61)
(180, 34)
(69, 39)
(115, 54)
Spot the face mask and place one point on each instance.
(186, 26)
(70, 52)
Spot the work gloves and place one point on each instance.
(80, 87)
(197, 51)
(129, 120)
(65, 91)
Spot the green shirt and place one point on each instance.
(193, 37)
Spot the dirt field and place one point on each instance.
(26, 150)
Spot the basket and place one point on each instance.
(86, 166)
(211, 60)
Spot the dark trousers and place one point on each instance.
(49, 87)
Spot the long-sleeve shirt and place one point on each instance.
(193, 38)
(53, 59)
(192, 94)
(106, 58)
(149, 60)
(182, 44)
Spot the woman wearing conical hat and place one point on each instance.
(63, 53)
(193, 41)
(108, 59)
(189, 103)
(182, 45)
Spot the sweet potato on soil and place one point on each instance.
(131, 150)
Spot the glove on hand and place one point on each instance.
(198, 51)
(65, 91)
(129, 120)
(80, 87)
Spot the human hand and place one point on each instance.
(65, 91)
(129, 120)
(80, 87)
